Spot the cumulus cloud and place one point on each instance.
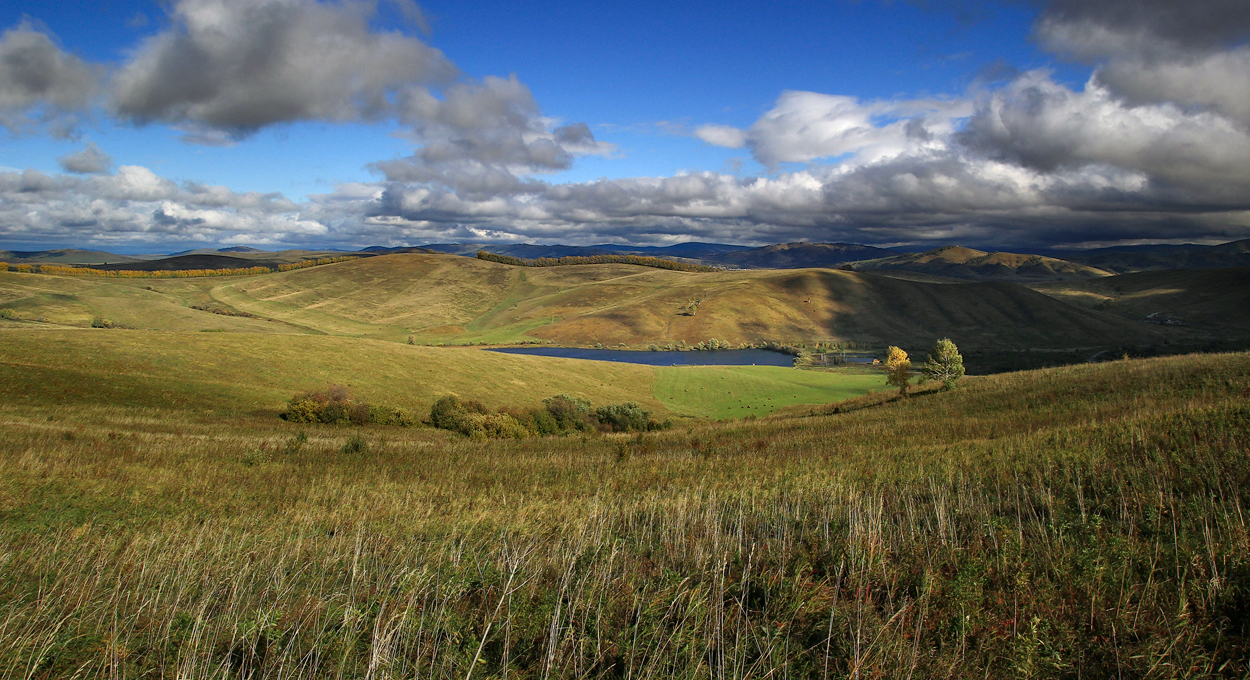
(239, 66)
(134, 205)
(1044, 125)
(1155, 145)
(41, 83)
(804, 126)
(481, 137)
(87, 161)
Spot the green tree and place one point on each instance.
(898, 368)
(945, 364)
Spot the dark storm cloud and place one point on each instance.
(1097, 29)
(89, 160)
(41, 83)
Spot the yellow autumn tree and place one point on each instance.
(898, 368)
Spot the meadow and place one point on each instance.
(1074, 522)
(721, 392)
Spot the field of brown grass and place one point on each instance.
(1079, 522)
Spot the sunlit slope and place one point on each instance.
(159, 304)
(259, 372)
(1201, 302)
(388, 296)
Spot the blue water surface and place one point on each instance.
(727, 357)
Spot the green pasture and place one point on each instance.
(720, 392)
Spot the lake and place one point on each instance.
(726, 357)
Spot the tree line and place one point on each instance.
(63, 270)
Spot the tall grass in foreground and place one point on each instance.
(1079, 522)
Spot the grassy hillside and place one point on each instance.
(1078, 522)
(452, 299)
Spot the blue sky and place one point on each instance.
(145, 127)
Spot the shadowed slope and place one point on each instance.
(978, 265)
(1204, 302)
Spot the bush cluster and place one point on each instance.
(560, 414)
(334, 406)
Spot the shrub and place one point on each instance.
(465, 417)
(627, 417)
(569, 412)
(334, 406)
(101, 322)
(8, 314)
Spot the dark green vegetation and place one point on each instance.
(559, 415)
(1076, 522)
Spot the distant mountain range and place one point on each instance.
(1128, 259)
(947, 262)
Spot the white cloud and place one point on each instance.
(722, 135)
(807, 126)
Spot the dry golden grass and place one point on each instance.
(1079, 522)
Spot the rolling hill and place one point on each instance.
(447, 299)
(440, 298)
(978, 265)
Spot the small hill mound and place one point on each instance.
(978, 265)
